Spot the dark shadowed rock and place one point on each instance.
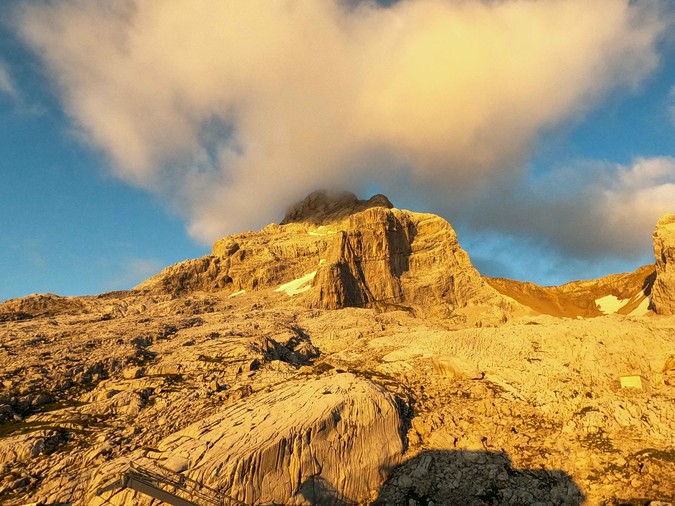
(322, 206)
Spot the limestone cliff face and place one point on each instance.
(364, 263)
(328, 441)
(389, 256)
(663, 293)
(267, 258)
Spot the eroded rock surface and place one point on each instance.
(663, 294)
(332, 440)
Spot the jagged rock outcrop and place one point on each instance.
(37, 305)
(321, 207)
(663, 294)
(328, 441)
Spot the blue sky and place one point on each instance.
(70, 227)
(105, 180)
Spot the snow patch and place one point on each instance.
(240, 292)
(297, 285)
(642, 309)
(610, 304)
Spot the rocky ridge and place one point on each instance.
(625, 294)
(348, 253)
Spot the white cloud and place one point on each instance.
(587, 210)
(234, 109)
(6, 83)
(129, 272)
(641, 194)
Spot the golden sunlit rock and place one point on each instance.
(663, 296)
(350, 355)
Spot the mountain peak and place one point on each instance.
(322, 206)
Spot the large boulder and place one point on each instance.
(328, 441)
(663, 292)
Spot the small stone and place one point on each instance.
(176, 464)
(404, 481)
(620, 462)
(41, 400)
(133, 372)
(216, 386)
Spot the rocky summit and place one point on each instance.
(351, 354)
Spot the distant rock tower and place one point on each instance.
(663, 293)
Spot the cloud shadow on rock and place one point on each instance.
(475, 478)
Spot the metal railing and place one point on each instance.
(169, 487)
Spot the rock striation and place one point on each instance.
(663, 293)
(327, 441)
